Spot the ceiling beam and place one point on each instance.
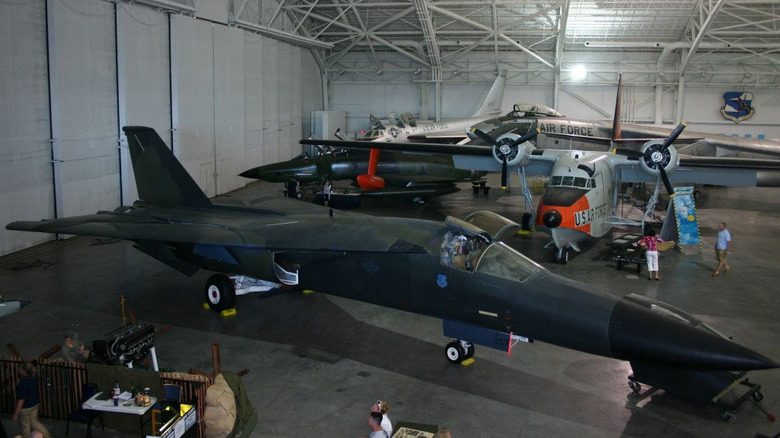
(490, 31)
(702, 32)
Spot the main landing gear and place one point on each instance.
(220, 292)
(457, 351)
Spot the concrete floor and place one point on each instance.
(318, 362)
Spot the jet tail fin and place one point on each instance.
(161, 179)
(616, 134)
(492, 103)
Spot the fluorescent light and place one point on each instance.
(579, 72)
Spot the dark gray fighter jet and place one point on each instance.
(458, 271)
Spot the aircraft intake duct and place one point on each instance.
(649, 331)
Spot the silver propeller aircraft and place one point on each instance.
(560, 132)
(459, 271)
(581, 200)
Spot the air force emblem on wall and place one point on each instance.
(738, 106)
(441, 280)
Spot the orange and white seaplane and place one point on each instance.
(580, 202)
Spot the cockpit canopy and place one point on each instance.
(502, 261)
(572, 181)
(373, 134)
(520, 110)
(468, 247)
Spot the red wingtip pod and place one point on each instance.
(370, 182)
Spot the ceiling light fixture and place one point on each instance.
(579, 72)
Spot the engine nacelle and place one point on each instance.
(518, 155)
(654, 156)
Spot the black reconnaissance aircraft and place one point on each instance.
(458, 271)
(393, 174)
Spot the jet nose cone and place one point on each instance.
(552, 219)
(669, 337)
(251, 173)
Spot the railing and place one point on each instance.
(60, 385)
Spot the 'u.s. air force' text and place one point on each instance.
(567, 128)
(584, 217)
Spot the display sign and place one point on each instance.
(685, 213)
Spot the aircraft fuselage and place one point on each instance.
(397, 167)
(578, 199)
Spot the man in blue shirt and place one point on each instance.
(27, 402)
(724, 240)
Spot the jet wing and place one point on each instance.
(251, 229)
(441, 137)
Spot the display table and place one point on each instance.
(101, 402)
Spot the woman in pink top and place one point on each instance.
(650, 241)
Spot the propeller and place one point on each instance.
(658, 156)
(506, 148)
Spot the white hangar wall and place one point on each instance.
(224, 99)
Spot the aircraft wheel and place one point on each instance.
(697, 195)
(220, 292)
(757, 396)
(635, 386)
(728, 416)
(299, 195)
(469, 350)
(455, 352)
(525, 223)
(421, 201)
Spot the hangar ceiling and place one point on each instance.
(706, 41)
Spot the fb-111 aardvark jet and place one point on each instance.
(458, 271)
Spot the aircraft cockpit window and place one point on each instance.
(568, 181)
(593, 183)
(502, 261)
(303, 156)
(580, 182)
(461, 252)
(556, 180)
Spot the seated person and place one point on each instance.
(73, 350)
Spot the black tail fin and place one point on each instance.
(161, 180)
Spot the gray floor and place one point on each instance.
(317, 362)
